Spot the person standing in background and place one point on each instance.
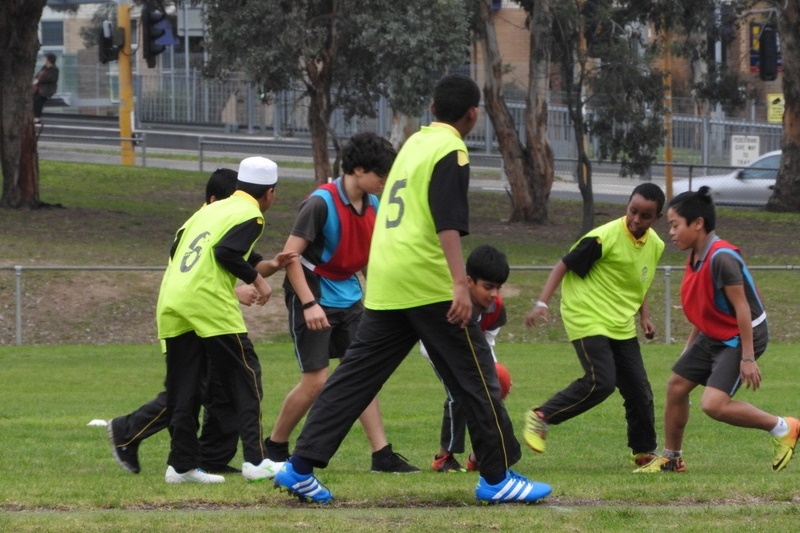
(44, 85)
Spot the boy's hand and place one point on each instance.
(648, 327)
(749, 373)
(315, 317)
(246, 294)
(263, 288)
(283, 258)
(460, 311)
(535, 314)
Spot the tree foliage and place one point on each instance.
(344, 53)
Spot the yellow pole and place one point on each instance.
(667, 115)
(125, 86)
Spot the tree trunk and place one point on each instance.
(583, 168)
(517, 162)
(319, 113)
(402, 127)
(19, 23)
(541, 181)
(319, 70)
(787, 187)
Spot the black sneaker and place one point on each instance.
(126, 455)
(277, 451)
(447, 463)
(386, 460)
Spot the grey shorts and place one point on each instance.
(712, 363)
(315, 349)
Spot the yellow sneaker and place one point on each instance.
(642, 458)
(783, 448)
(662, 464)
(535, 431)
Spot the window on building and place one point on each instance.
(52, 33)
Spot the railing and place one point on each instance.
(139, 140)
(664, 292)
(182, 96)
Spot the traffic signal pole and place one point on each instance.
(126, 86)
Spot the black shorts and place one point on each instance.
(713, 363)
(315, 349)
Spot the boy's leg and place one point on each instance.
(463, 360)
(454, 426)
(384, 339)
(313, 350)
(219, 436)
(147, 420)
(186, 357)
(597, 383)
(637, 394)
(235, 361)
(126, 432)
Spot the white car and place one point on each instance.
(751, 185)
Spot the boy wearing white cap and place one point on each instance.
(199, 319)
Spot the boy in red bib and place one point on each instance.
(332, 235)
(729, 334)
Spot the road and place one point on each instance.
(61, 135)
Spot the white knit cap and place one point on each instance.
(258, 170)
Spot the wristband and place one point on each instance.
(539, 303)
(309, 305)
(748, 360)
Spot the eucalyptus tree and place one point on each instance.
(344, 54)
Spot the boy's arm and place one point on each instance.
(539, 308)
(491, 336)
(268, 267)
(748, 368)
(230, 252)
(314, 315)
(460, 311)
(644, 319)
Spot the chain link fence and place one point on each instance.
(116, 305)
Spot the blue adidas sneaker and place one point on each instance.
(514, 488)
(305, 486)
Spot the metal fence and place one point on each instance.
(34, 307)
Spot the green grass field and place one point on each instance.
(57, 473)
(90, 353)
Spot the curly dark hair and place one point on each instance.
(369, 151)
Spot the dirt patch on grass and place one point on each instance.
(102, 307)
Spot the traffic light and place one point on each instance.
(152, 30)
(768, 53)
(106, 50)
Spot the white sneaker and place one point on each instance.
(192, 476)
(265, 470)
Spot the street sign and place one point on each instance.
(744, 149)
(775, 103)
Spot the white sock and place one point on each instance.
(672, 454)
(781, 429)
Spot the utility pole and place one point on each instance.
(125, 86)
